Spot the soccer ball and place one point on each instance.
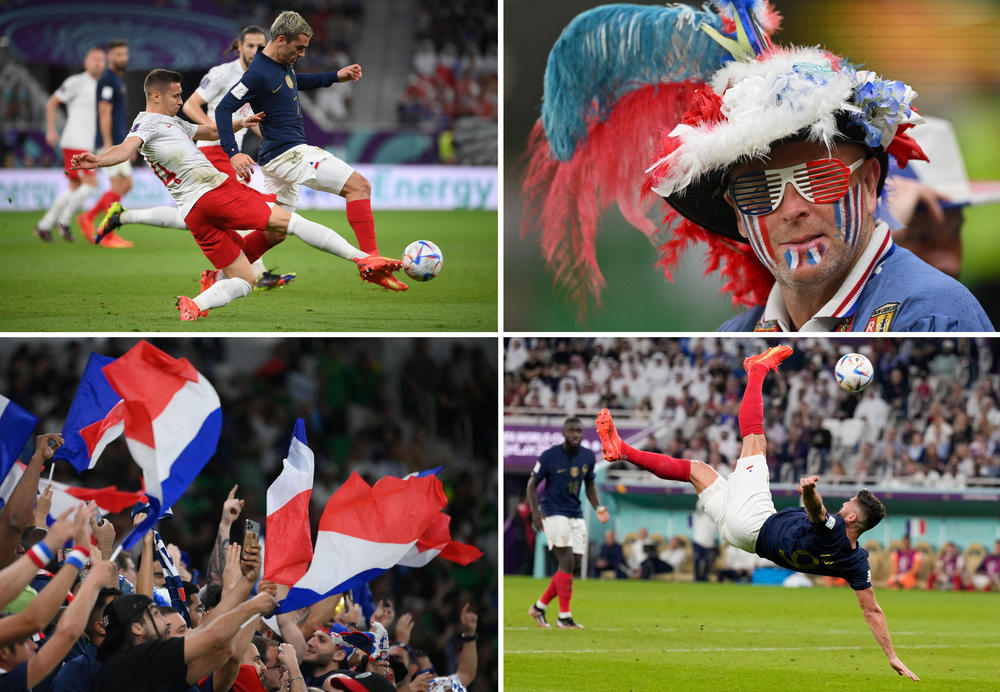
(854, 372)
(422, 260)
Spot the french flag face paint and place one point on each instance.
(848, 215)
(803, 258)
(760, 241)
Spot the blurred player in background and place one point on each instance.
(805, 539)
(112, 126)
(271, 86)
(213, 204)
(79, 94)
(211, 90)
(563, 467)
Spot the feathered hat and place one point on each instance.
(645, 101)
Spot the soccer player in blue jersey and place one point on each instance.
(272, 86)
(806, 539)
(563, 468)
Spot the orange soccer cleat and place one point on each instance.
(378, 270)
(771, 358)
(611, 443)
(189, 309)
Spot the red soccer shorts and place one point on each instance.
(67, 162)
(219, 213)
(217, 156)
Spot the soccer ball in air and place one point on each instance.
(422, 260)
(854, 372)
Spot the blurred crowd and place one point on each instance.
(378, 407)
(931, 415)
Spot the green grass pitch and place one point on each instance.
(647, 635)
(81, 288)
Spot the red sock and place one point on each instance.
(660, 465)
(565, 589)
(752, 407)
(359, 215)
(106, 200)
(255, 244)
(550, 592)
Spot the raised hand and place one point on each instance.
(470, 620)
(43, 505)
(404, 628)
(232, 507)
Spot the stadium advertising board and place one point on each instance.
(522, 444)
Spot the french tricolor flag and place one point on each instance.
(289, 541)
(171, 418)
(364, 531)
(16, 426)
(110, 500)
(89, 428)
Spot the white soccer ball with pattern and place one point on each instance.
(854, 372)
(422, 260)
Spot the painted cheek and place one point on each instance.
(755, 228)
(848, 215)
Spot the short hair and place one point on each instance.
(872, 509)
(93, 48)
(122, 560)
(252, 29)
(158, 80)
(211, 595)
(117, 43)
(263, 644)
(290, 24)
(572, 419)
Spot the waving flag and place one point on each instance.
(109, 499)
(16, 426)
(289, 538)
(171, 418)
(363, 532)
(88, 429)
(435, 541)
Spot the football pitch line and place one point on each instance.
(719, 630)
(735, 649)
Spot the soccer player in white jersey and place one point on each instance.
(79, 94)
(211, 90)
(213, 204)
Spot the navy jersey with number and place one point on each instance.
(564, 476)
(790, 540)
(110, 89)
(272, 89)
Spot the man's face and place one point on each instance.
(802, 242)
(849, 507)
(319, 649)
(150, 627)
(129, 571)
(270, 678)
(251, 657)
(195, 609)
(573, 433)
(290, 51)
(175, 626)
(19, 653)
(118, 58)
(171, 100)
(249, 46)
(95, 63)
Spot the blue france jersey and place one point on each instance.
(111, 90)
(273, 89)
(890, 290)
(790, 540)
(564, 476)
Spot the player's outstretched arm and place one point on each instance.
(880, 630)
(811, 499)
(116, 154)
(351, 73)
(211, 130)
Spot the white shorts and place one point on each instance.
(563, 532)
(119, 170)
(742, 503)
(300, 166)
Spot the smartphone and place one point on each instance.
(251, 533)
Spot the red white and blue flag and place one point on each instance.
(88, 428)
(16, 426)
(289, 540)
(365, 530)
(171, 418)
(109, 499)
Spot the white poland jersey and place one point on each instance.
(168, 146)
(214, 86)
(79, 93)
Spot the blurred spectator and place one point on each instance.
(905, 564)
(611, 557)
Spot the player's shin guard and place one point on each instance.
(359, 216)
(751, 415)
(564, 587)
(223, 292)
(322, 238)
(164, 217)
(660, 465)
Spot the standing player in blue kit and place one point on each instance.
(563, 467)
(272, 86)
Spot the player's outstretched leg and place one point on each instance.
(751, 414)
(660, 465)
(111, 221)
(378, 270)
(770, 359)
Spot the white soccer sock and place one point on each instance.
(223, 292)
(323, 238)
(55, 210)
(73, 202)
(164, 217)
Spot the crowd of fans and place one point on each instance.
(378, 407)
(931, 415)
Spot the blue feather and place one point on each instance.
(608, 51)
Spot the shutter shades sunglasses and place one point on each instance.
(822, 181)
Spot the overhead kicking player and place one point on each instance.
(805, 539)
(79, 94)
(213, 87)
(271, 86)
(213, 204)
